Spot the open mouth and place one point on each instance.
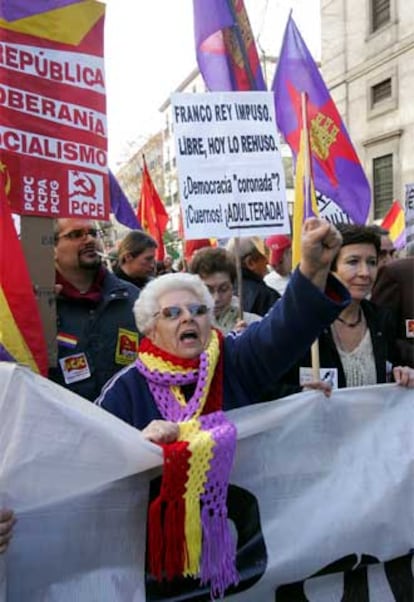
(189, 335)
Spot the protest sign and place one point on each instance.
(230, 169)
(409, 213)
(330, 211)
(320, 497)
(53, 133)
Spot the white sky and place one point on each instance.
(149, 51)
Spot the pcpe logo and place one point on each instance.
(85, 194)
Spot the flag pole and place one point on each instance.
(239, 276)
(252, 83)
(316, 364)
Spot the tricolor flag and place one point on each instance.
(225, 46)
(394, 222)
(336, 168)
(151, 212)
(14, 10)
(21, 330)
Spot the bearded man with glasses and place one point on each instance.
(96, 332)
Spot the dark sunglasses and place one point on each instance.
(173, 312)
(81, 233)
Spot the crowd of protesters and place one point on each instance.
(369, 338)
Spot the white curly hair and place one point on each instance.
(147, 304)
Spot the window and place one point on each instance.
(381, 91)
(380, 13)
(383, 184)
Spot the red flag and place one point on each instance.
(151, 212)
(21, 330)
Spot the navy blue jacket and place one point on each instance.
(252, 361)
(96, 330)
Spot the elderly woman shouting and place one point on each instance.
(187, 373)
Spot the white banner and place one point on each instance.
(229, 164)
(330, 211)
(318, 486)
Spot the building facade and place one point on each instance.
(368, 65)
(129, 175)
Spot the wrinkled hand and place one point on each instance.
(161, 431)
(404, 376)
(319, 385)
(321, 242)
(7, 520)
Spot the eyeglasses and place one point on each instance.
(81, 233)
(173, 312)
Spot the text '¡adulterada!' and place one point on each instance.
(238, 215)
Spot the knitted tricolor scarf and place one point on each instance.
(188, 531)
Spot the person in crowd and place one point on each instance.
(168, 265)
(217, 270)
(257, 297)
(280, 260)
(394, 288)
(96, 332)
(7, 521)
(136, 258)
(165, 266)
(187, 373)
(387, 250)
(360, 344)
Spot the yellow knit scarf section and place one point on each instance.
(201, 445)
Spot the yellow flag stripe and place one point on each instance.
(11, 337)
(68, 25)
(299, 202)
(398, 227)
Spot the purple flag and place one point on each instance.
(226, 50)
(5, 355)
(12, 10)
(337, 171)
(120, 206)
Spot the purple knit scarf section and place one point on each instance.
(218, 556)
(159, 384)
